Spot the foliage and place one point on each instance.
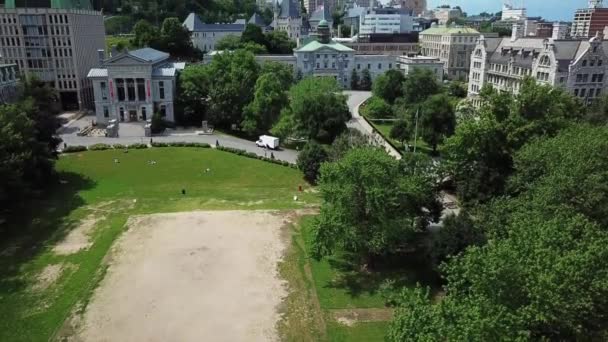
(253, 34)
(74, 149)
(389, 86)
(193, 89)
(278, 42)
(348, 140)
(229, 43)
(145, 34)
(175, 38)
(377, 108)
(100, 147)
(366, 80)
(41, 103)
(401, 131)
(456, 234)
(317, 111)
(244, 153)
(597, 114)
(354, 80)
(310, 159)
(119, 24)
(437, 120)
(157, 125)
(270, 98)
(419, 85)
(370, 206)
(457, 89)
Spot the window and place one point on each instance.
(104, 91)
(131, 89)
(358, 66)
(575, 92)
(599, 62)
(583, 92)
(318, 66)
(106, 112)
(120, 89)
(161, 90)
(163, 111)
(585, 62)
(141, 89)
(369, 66)
(390, 65)
(333, 65)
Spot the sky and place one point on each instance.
(548, 9)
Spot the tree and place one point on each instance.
(377, 108)
(366, 80)
(157, 125)
(401, 131)
(348, 140)
(597, 114)
(345, 31)
(233, 78)
(419, 85)
(42, 111)
(457, 89)
(354, 80)
(193, 85)
(437, 120)
(118, 24)
(456, 234)
(229, 43)
(317, 111)
(145, 34)
(175, 38)
(253, 34)
(310, 159)
(269, 99)
(389, 86)
(278, 42)
(370, 206)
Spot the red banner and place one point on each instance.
(111, 90)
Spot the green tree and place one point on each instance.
(193, 89)
(401, 131)
(229, 43)
(42, 111)
(377, 108)
(253, 34)
(366, 80)
(233, 77)
(456, 234)
(317, 110)
(119, 24)
(419, 85)
(310, 159)
(597, 114)
(457, 89)
(175, 38)
(354, 80)
(345, 31)
(348, 140)
(389, 86)
(145, 34)
(157, 125)
(437, 120)
(370, 206)
(278, 42)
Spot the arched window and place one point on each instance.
(478, 53)
(545, 61)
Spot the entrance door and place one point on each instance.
(144, 116)
(132, 115)
(122, 114)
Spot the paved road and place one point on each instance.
(355, 99)
(134, 133)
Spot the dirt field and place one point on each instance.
(199, 276)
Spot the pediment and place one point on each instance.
(125, 60)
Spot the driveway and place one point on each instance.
(355, 99)
(131, 133)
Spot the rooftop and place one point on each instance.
(149, 55)
(194, 24)
(316, 45)
(449, 30)
(57, 4)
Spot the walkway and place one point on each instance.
(355, 99)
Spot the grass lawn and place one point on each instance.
(385, 130)
(359, 332)
(34, 303)
(114, 40)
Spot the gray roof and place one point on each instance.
(321, 13)
(290, 9)
(194, 24)
(257, 20)
(98, 72)
(168, 70)
(149, 55)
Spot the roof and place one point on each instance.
(316, 45)
(449, 30)
(57, 4)
(194, 24)
(321, 13)
(149, 55)
(98, 72)
(257, 20)
(290, 9)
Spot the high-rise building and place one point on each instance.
(589, 21)
(386, 20)
(510, 12)
(416, 7)
(56, 41)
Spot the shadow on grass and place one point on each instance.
(38, 224)
(402, 270)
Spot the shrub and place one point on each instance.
(73, 149)
(377, 108)
(99, 147)
(310, 160)
(119, 146)
(137, 146)
(160, 144)
(254, 156)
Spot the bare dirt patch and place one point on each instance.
(78, 238)
(349, 317)
(47, 277)
(199, 276)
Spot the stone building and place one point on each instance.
(8, 83)
(205, 36)
(57, 44)
(578, 66)
(452, 45)
(287, 18)
(134, 85)
(409, 63)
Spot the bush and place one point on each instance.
(160, 144)
(255, 156)
(186, 144)
(119, 146)
(137, 146)
(377, 108)
(99, 147)
(310, 160)
(73, 149)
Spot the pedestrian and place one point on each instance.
(65, 146)
(271, 155)
(150, 141)
(217, 143)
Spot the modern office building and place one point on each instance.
(510, 12)
(386, 20)
(407, 64)
(589, 21)
(453, 46)
(56, 42)
(8, 83)
(205, 36)
(134, 85)
(579, 66)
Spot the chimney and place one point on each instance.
(517, 32)
(101, 55)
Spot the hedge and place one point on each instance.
(181, 144)
(137, 146)
(99, 147)
(255, 156)
(74, 149)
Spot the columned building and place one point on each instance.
(134, 85)
(58, 45)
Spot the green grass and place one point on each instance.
(90, 179)
(114, 40)
(385, 130)
(359, 332)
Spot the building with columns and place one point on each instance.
(134, 85)
(578, 66)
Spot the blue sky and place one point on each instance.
(548, 9)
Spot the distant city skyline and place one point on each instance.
(548, 9)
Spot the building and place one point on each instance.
(408, 63)
(205, 36)
(134, 85)
(384, 44)
(588, 21)
(445, 15)
(287, 18)
(510, 12)
(453, 46)
(386, 20)
(415, 7)
(258, 21)
(8, 83)
(321, 13)
(58, 45)
(352, 18)
(478, 21)
(578, 66)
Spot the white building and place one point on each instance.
(409, 63)
(287, 18)
(205, 36)
(385, 20)
(579, 66)
(58, 46)
(510, 12)
(452, 45)
(134, 85)
(8, 83)
(446, 14)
